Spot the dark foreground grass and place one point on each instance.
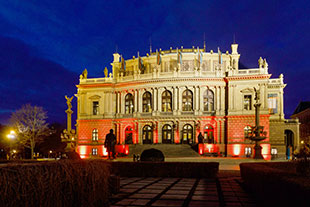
(59, 183)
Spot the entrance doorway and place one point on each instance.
(187, 134)
(167, 134)
(147, 134)
(289, 143)
(128, 135)
(209, 134)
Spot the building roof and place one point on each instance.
(303, 105)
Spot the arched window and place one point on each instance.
(247, 131)
(147, 102)
(94, 136)
(187, 134)
(147, 134)
(129, 107)
(187, 100)
(166, 101)
(209, 134)
(167, 134)
(208, 101)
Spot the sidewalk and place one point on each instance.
(187, 192)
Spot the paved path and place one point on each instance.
(222, 191)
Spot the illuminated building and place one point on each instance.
(170, 96)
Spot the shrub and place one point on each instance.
(152, 155)
(62, 183)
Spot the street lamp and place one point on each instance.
(11, 136)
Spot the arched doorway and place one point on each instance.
(167, 134)
(147, 134)
(209, 134)
(128, 135)
(289, 143)
(187, 134)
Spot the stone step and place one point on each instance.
(169, 150)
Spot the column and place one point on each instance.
(135, 93)
(222, 101)
(218, 94)
(140, 94)
(159, 99)
(122, 105)
(196, 99)
(155, 99)
(180, 99)
(201, 92)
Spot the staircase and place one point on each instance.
(169, 150)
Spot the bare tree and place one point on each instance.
(30, 125)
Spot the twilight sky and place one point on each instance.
(45, 45)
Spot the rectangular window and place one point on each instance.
(94, 151)
(247, 102)
(273, 103)
(95, 107)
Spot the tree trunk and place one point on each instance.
(32, 148)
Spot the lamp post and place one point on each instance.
(11, 136)
(257, 132)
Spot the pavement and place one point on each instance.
(225, 190)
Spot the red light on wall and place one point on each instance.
(210, 148)
(126, 149)
(200, 149)
(266, 151)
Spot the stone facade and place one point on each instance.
(171, 96)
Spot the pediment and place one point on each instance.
(95, 97)
(247, 90)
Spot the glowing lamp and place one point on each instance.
(104, 151)
(236, 149)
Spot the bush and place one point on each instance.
(62, 183)
(152, 155)
(276, 183)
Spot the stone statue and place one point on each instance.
(257, 94)
(265, 64)
(105, 72)
(69, 102)
(260, 62)
(84, 74)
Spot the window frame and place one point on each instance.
(166, 101)
(147, 102)
(129, 103)
(187, 100)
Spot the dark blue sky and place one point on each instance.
(45, 45)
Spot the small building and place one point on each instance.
(170, 96)
(302, 113)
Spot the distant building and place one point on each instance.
(171, 96)
(302, 112)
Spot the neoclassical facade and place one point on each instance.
(171, 96)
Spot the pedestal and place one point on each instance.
(258, 152)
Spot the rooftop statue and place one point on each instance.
(84, 74)
(265, 64)
(105, 72)
(260, 62)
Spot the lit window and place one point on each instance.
(273, 103)
(187, 134)
(208, 100)
(247, 102)
(147, 134)
(248, 151)
(129, 107)
(209, 134)
(166, 101)
(187, 99)
(95, 107)
(274, 151)
(147, 102)
(95, 135)
(167, 133)
(94, 151)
